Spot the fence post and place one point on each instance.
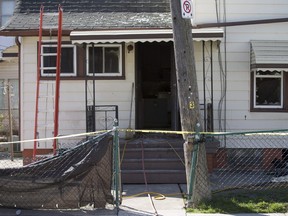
(195, 140)
(116, 164)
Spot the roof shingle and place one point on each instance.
(91, 14)
(32, 6)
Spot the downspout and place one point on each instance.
(212, 87)
(18, 43)
(204, 85)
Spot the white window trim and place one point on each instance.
(282, 90)
(105, 74)
(73, 73)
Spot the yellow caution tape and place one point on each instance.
(58, 137)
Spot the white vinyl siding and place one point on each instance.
(72, 117)
(238, 38)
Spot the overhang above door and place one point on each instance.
(141, 35)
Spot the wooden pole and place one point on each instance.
(10, 121)
(189, 102)
(57, 87)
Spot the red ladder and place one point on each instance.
(57, 81)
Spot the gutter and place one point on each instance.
(239, 23)
(35, 32)
(18, 43)
(32, 32)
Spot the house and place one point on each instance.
(113, 48)
(8, 76)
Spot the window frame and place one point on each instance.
(42, 68)
(103, 74)
(284, 96)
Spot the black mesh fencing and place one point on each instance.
(76, 177)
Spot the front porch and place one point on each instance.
(157, 158)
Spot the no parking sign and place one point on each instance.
(186, 9)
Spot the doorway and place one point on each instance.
(156, 102)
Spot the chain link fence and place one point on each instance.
(255, 160)
(247, 160)
(86, 172)
(9, 110)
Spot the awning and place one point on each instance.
(142, 35)
(269, 55)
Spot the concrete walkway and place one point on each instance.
(172, 205)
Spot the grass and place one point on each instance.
(245, 201)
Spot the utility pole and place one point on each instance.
(188, 97)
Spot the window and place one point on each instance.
(49, 57)
(104, 60)
(268, 90)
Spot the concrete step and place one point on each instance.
(153, 176)
(153, 153)
(152, 143)
(152, 164)
(161, 158)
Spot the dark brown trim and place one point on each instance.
(84, 78)
(254, 66)
(251, 91)
(208, 35)
(285, 94)
(123, 61)
(238, 23)
(32, 32)
(81, 60)
(9, 55)
(278, 110)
